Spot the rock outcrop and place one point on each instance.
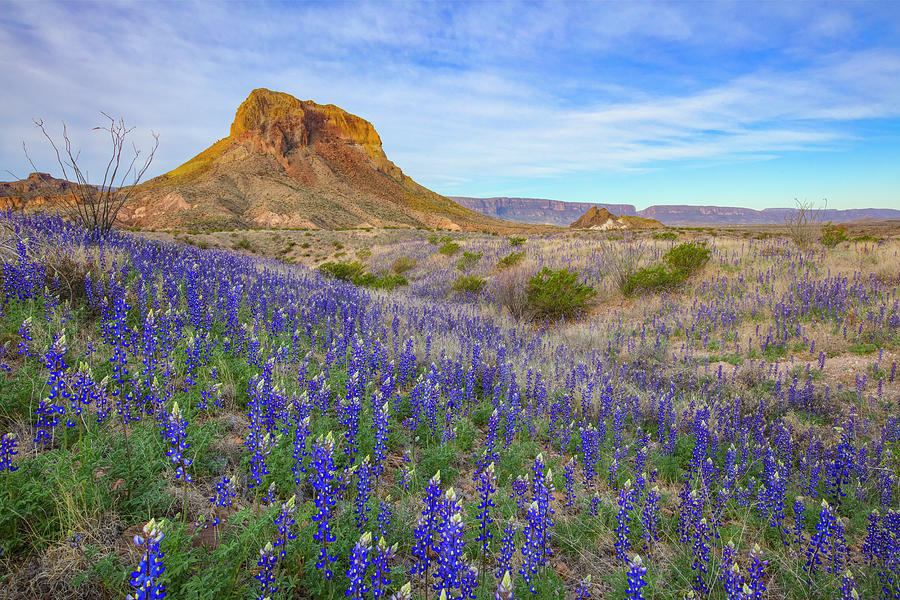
(294, 163)
(39, 191)
(602, 219)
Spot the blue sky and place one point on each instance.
(730, 103)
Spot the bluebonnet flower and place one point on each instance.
(258, 467)
(285, 522)
(427, 526)
(301, 433)
(176, 432)
(820, 543)
(350, 411)
(266, 575)
(594, 505)
(650, 517)
(269, 498)
(384, 516)
(848, 587)
(363, 489)
(24, 345)
(359, 564)
(486, 481)
(53, 404)
(380, 577)
(590, 444)
(490, 441)
(731, 577)
(406, 477)
(636, 581)
(145, 579)
(450, 548)
(569, 475)
(322, 480)
(507, 547)
(532, 545)
(8, 445)
(583, 591)
(755, 586)
(701, 551)
(404, 593)
(622, 519)
(226, 490)
(519, 487)
(380, 425)
(505, 589)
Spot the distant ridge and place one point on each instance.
(556, 212)
(537, 211)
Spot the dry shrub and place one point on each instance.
(511, 286)
(888, 271)
(805, 223)
(65, 277)
(621, 259)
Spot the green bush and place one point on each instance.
(510, 260)
(386, 281)
(403, 264)
(449, 249)
(665, 235)
(558, 293)
(516, 241)
(364, 253)
(468, 260)
(468, 284)
(832, 235)
(656, 278)
(343, 271)
(242, 244)
(354, 273)
(688, 257)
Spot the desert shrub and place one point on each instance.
(363, 254)
(655, 278)
(510, 260)
(449, 249)
(242, 244)
(558, 293)
(511, 287)
(621, 260)
(343, 271)
(688, 257)
(470, 284)
(832, 235)
(385, 281)
(665, 235)
(468, 260)
(516, 241)
(403, 264)
(803, 222)
(354, 273)
(867, 238)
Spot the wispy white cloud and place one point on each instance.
(464, 92)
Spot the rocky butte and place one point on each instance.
(602, 219)
(294, 163)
